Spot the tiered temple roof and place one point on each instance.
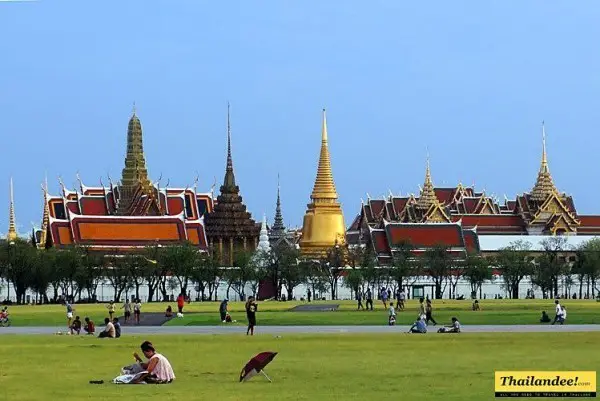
(278, 234)
(230, 226)
(439, 210)
(130, 215)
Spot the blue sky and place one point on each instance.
(470, 81)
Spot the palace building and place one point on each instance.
(466, 220)
(127, 215)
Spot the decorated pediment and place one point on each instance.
(555, 213)
(436, 214)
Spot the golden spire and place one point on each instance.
(324, 187)
(544, 184)
(323, 226)
(427, 197)
(12, 231)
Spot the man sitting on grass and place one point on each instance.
(419, 326)
(109, 330)
(453, 328)
(76, 325)
(89, 328)
(545, 318)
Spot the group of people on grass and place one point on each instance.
(385, 294)
(425, 316)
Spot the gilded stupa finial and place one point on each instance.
(324, 187)
(544, 184)
(12, 226)
(427, 196)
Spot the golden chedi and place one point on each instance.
(323, 225)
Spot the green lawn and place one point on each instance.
(277, 313)
(308, 367)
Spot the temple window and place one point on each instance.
(59, 211)
(189, 213)
(202, 207)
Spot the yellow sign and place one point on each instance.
(545, 384)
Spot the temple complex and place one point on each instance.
(128, 215)
(323, 225)
(230, 226)
(464, 219)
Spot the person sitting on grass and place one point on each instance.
(545, 318)
(109, 330)
(157, 370)
(476, 305)
(392, 315)
(169, 311)
(419, 326)
(89, 327)
(117, 327)
(76, 325)
(453, 328)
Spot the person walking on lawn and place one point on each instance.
(428, 313)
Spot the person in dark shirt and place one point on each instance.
(76, 326)
(117, 327)
(369, 299)
(223, 310)
(545, 318)
(359, 300)
(251, 308)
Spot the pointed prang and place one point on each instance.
(229, 181)
(278, 226)
(324, 188)
(12, 226)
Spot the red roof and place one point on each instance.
(399, 204)
(94, 206)
(377, 206)
(589, 221)
(425, 235)
(445, 195)
(491, 220)
(380, 242)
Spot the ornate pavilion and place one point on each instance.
(127, 215)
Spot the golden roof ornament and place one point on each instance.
(427, 196)
(544, 184)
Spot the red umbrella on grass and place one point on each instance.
(257, 365)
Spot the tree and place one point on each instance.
(477, 271)
(207, 274)
(90, 273)
(118, 276)
(332, 266)
(353, 279)
(180, 261)
(135, 266)
(152, 271)
(68, 262)
(41, 274)
(587, 266)
(242, 272)
(438, 262)
(403, 265)
(551, 265)
(18, 259)
(512, 261)
(285, 262)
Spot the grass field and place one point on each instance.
(277, 313)
(308, 367)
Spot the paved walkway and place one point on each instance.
(313, 329)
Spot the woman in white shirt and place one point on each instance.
(158, 367)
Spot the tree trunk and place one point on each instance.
(515, 291)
